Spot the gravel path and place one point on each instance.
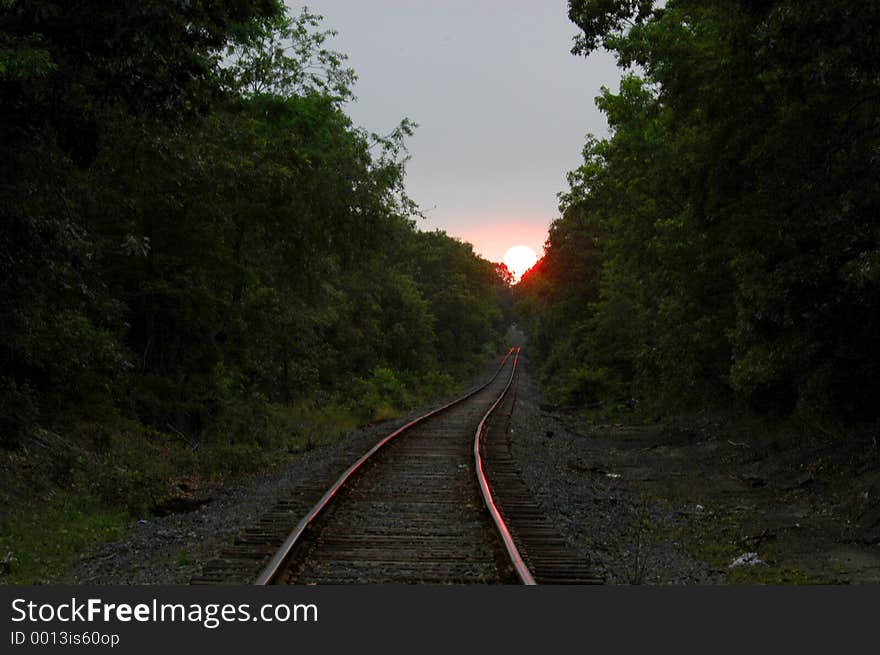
(628, 539)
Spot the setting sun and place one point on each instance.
(519, 259)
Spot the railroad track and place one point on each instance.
(437, 501)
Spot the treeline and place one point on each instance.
(195, 238)
(724, 242)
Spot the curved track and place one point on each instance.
(408, 511)
(440, 500)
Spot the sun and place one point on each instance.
(519, 259)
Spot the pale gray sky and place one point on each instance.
(502, 105)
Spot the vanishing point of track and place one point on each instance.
(439, 501)
(419, 507)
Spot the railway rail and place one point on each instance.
(439, 501)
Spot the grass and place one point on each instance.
(317, 424)
(385, 413)
(45, 539)
(719, 553)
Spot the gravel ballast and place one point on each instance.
(628, 539)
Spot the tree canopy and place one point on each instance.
(723, 242)
(193, 233)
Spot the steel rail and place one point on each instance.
(275, 565)
(522, 571)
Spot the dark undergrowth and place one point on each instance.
(64, 494)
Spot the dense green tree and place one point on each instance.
(193, 230)
(735, 206)
(463, 293)
(76, 82)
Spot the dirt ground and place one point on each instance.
(678, 503)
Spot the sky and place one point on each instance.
(502, 106)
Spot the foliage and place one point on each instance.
(732, 211)
(287, 57)
(202, 260)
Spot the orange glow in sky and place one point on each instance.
(492, 237)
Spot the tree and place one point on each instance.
(286, 56)
(196, 236)
(734, 205)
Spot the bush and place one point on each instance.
(231, 458)
(584, 385)
(437, 383)
(380, 396)
(134, 472)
